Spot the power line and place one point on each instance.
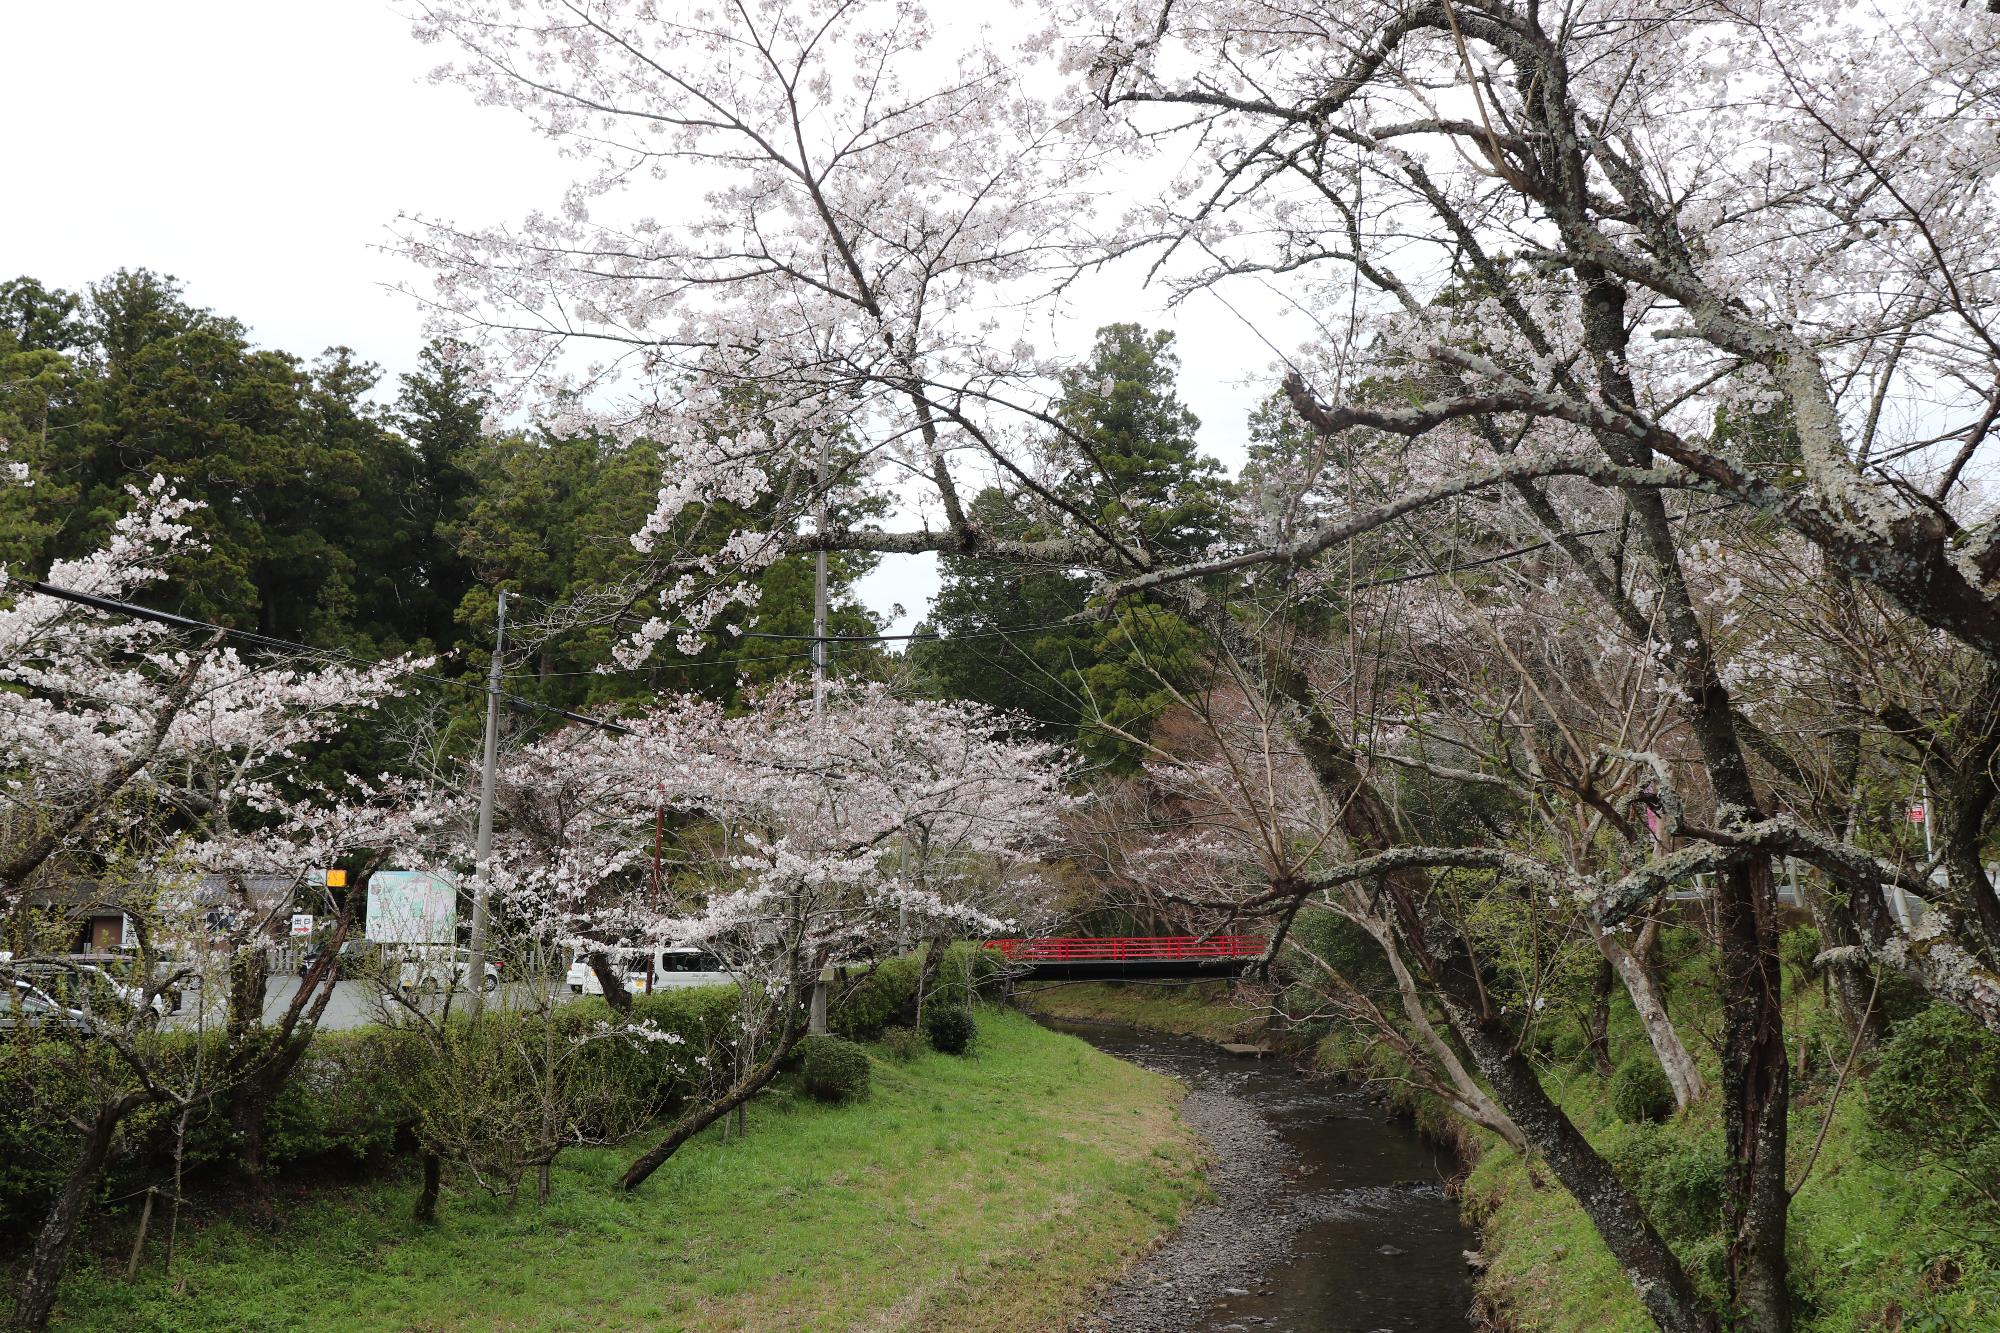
(114, 606)
(1520, 551)
(523, 705)
(632, 618)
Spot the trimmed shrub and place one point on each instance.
(1640, 1091)
(903, 1044)
(349, 1097)
(949, 1030)
(834, 1070)
(354, 1096)
(866, 1003)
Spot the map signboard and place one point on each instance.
(412, 907)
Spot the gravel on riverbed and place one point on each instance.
(1225, 1247)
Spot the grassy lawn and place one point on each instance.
(992, 1192)
(1199, 1009)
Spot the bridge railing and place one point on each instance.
(1137, 948)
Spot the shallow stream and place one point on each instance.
(1331, 1215)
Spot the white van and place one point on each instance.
(671, 968)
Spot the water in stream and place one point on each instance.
(1375, 1242)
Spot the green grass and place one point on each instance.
(1199, 1009)
(992, 1192)
(1872, 1247)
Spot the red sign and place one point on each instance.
(1916, 812)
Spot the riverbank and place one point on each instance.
(1326, 1213)
(1179, 1009)
(992, 1192)
(1877, 1245)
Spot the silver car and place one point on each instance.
(25, 1005)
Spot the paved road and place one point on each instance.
(356, 1003)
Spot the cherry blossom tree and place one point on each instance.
(154, 771)
(811, 834)
(1604, 265)
(89, 727)
(1663, 224)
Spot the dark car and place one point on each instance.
(356, 958)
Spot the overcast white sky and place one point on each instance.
(259, 149)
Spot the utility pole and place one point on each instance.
(1905, 912)
(817, 1022)
(489, 767)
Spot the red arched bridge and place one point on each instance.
(1097, 958)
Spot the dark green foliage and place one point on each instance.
(37, 319)
(349, 1098)
(1640, 1091)
(1934, 1099)
(289, 460)
(1349, 949)
(949, 1030)
(1797, 949)
(1898, 999)
(37, 1080)
(1682, 1183)
(885, 995)
(1132, 469)
(903, 1044)
(1133, 454)
(1564, 1044)
(866, 1003)
(833, 1070)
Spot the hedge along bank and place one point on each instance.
(352, 1099)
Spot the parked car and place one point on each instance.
(98, 984)
(25, 1005)
(431, 967)
(669, 968)
(356, 958)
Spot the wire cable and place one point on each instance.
(113, 606)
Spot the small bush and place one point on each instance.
(834, 1070)
(1565, 1044)
(949, 1030)
(1935, 1097)
(1797, 949)
(902, 1044)
(348, 1098)
(1640, 1091)
(1680, 1181)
